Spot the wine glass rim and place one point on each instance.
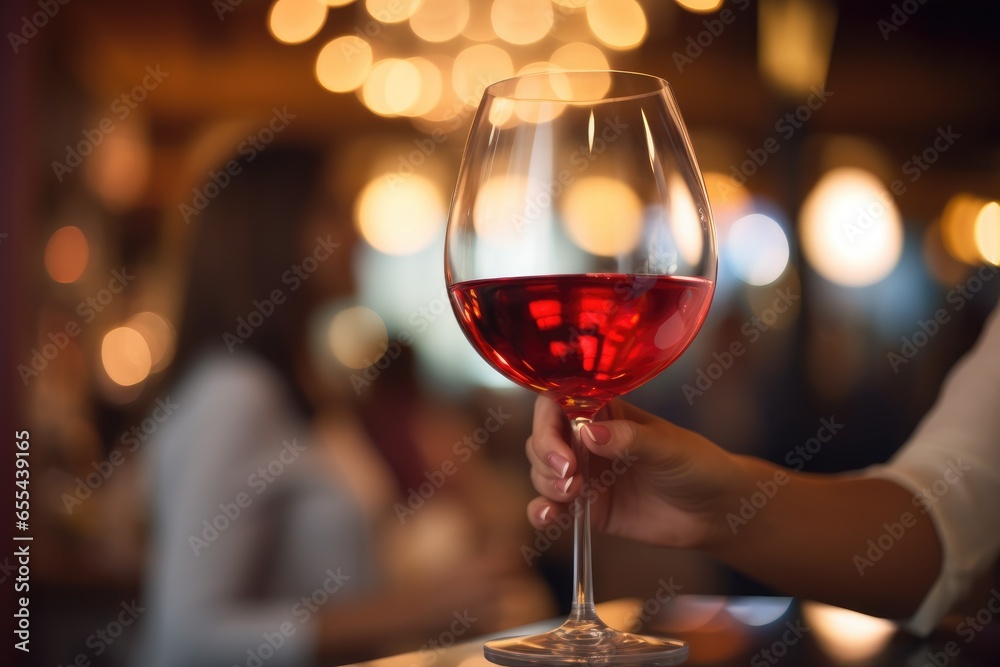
(498, 89)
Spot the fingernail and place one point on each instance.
(600, 434)
(559, 463)
(563, 484)
(545, 513)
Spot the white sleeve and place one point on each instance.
(205, 606)
(952, 465)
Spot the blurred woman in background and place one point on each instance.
(265, 538)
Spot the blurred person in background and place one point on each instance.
(265, 540)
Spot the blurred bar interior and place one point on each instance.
(850, 150)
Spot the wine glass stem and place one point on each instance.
(583, 599)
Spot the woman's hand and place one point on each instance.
(650, 480)
(671, 487)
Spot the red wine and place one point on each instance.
(583, 339)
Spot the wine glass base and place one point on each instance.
(596, 645)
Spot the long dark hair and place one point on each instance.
(248, 236)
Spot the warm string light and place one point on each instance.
(700, 6)
(618, 24)
(521, 22)
(841, 243)
(357, 337)
(795, 42)
(400, 216)
(344, 64)
(126, 356)
(847, 636)
(66, 254)
(439, 21)
(159, 337)
(851, 229)
(593, 200)
(445, 78)
(390, 85)
(296, 21)
(987, 231)
(970, 229)
(144, 345)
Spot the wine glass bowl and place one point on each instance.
(580, 258)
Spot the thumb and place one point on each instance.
(614, 438)
(635, 433)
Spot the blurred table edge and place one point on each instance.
(731, 630)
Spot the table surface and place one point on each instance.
(760, 631)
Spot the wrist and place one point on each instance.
(743, 509)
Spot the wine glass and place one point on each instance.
(580, 259)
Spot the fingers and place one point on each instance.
(549, 453)
(542, 512)
(559, 490)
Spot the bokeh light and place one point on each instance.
(603, 215)
(619, 24)
(850, 227)
(296, 21)
(391, 11)
(729, 199)
(758, 611)
(988, 232)
(583, 56)
(580, 56)
(430, 90)
(499, 208)
(159, 337)
(571, 26)
(392, 87)
(66, 254)
(479, 27)
(685, 221)
(440, 20)
(538, 67)
(402, 85)
(756, 249)
(700, 6)
(535, 93)
(119, 169)
(521, 21)
(477, 67)
(448, 103)
(958, 227)
(795, 38)
(847, 636)
(358, 337)
(125, 356)
(344, 63)
(399, 215)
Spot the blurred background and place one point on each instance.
(852, 158)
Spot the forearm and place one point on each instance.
(847, 540)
